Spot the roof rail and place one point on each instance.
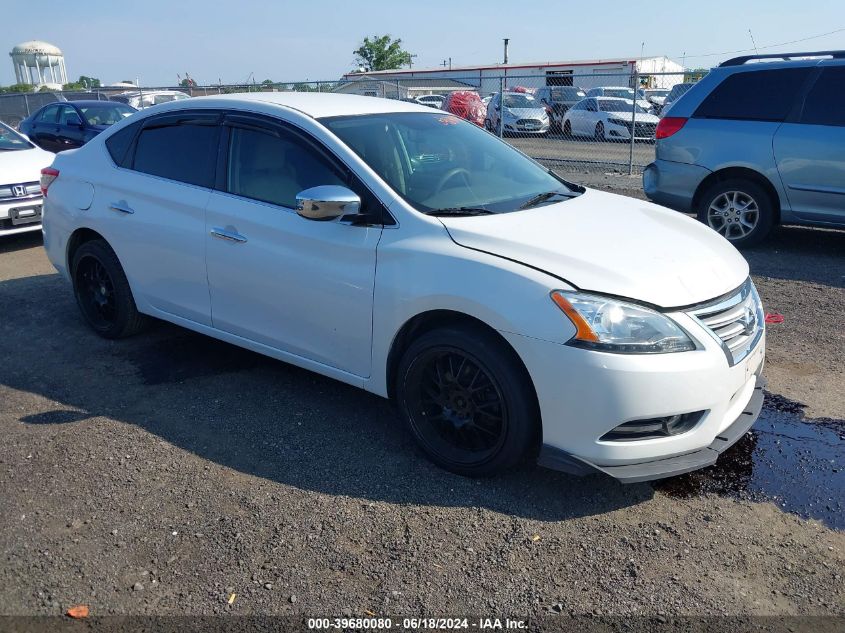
(739, 61)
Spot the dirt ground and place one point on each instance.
(172, 474)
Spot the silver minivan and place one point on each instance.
(759, 141)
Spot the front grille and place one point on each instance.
(653, 428)
(20, 191)
(533, 122)
(736, 322)
(643, 129)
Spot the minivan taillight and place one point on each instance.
(669, 125)
(48, 175)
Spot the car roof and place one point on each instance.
(91, 102)
(313, 104)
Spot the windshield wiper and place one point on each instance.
(461, 211)
(542, 197)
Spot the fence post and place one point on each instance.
(26, 104)
(398, 96)
(633, 124)
(501, 106)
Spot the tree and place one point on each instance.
(15, 88)
(83, 83)
(381, 52)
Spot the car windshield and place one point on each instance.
(657, 93)
(622, 93)
(619, 105)
(11, 140)
(441, 164)
(105, 113)
(520, 100)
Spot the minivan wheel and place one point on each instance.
(102, 291)
(739, 210)
(467, 400)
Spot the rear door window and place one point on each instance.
(180, 147)
(825, 103)
(48, 114)
(759, 95)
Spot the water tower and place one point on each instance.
(39, 64)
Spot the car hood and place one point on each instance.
(614, 245)
(23, 165)
(526, 113)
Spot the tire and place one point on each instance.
(103, 293)
(740, 210)
(567, 129)
(467, 400)
(600, 131)
(488, 125)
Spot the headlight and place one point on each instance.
(606, 324)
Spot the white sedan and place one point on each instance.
(20, 190)
(609, 119)
(412, 254)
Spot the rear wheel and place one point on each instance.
(102, 291)
(599, 131)
(739, 210)
(567, 129)
(467, 401)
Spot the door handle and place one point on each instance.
(222, 234)
(121, 206)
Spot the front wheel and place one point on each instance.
(467, 400)
(103, 293)
(567, 129)
(599, 131)
(739, 210)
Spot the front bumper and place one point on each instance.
(584, 395)
(514, 127)
(20, 215)
(557, 459)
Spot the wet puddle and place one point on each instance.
(792, 461)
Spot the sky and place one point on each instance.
(154, 40)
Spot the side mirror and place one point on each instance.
(73, 120)
(327, 202)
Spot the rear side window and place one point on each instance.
(825, 103)
(49, 114)
(762, 95)
(184, 151)
(118, 144)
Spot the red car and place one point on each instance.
(467, 105)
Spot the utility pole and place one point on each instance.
(446, 63)
(506, 40)
(411, 59)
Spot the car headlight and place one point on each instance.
(610, 325)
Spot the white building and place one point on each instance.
(39, 64)
(582, 73)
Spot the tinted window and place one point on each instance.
(48, 114)
(185, 151)
(763, 95)
(118, 144)
(825, 104)
(68, 114)
(275, 167)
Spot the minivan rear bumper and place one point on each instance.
(673, 184)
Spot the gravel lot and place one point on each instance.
(166, 473)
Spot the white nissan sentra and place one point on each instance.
(511, 315)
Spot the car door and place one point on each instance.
(810, 152)
(44, 128)
(297, 285)
(153, 203)
(70, 132)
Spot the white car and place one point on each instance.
(21, 163)
(509, 313)
(140, 99)
(621, 92)
(609, 119)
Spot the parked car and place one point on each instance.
(753, 145)
(60, 126)
(558, 99)
(675, 93)
(609, 119)
(477, 320)
(432, 101)
(467, 105)
(20, 190)
(521, 114)
(656, 97)
(621, 92)
(145, 99)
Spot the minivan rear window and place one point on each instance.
(759, 95)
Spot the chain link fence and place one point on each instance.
(576, 123)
